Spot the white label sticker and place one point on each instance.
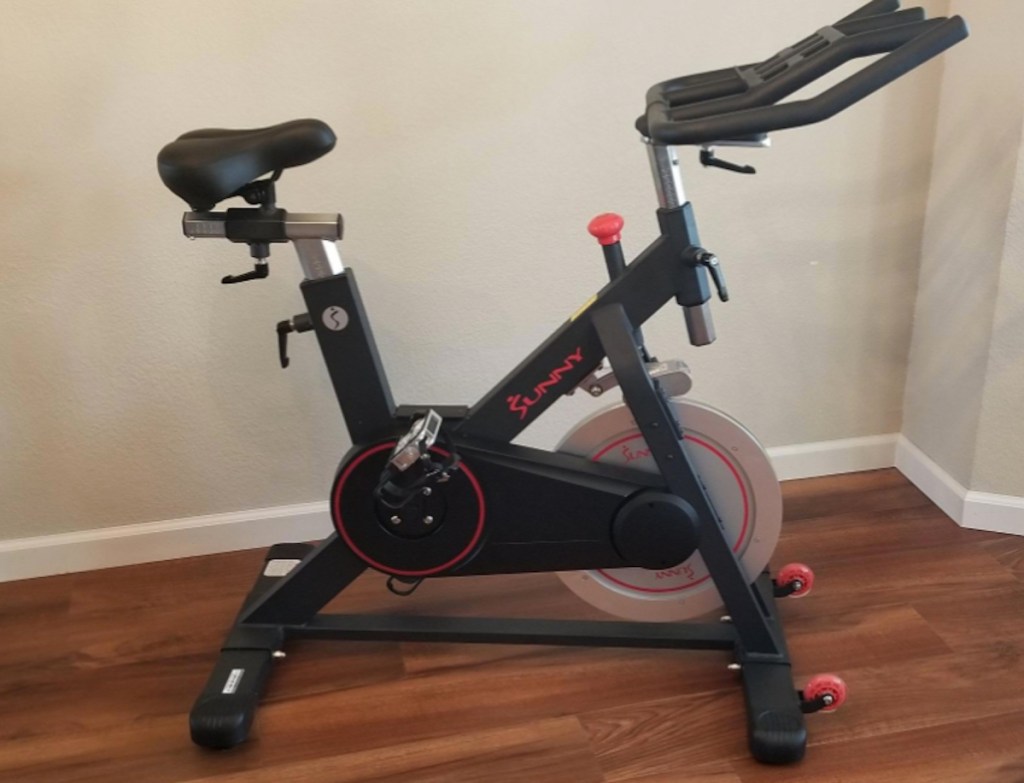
(279, 567)
(335, 318)
(233, 679)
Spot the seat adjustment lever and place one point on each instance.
(299, 323)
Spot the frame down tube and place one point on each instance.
(664, 437)
(775, 723)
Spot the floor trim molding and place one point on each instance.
(827, 458)
(87, 550)
(147, 542)
(970, 509)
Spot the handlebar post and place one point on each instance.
(668, 180)
(699, 325)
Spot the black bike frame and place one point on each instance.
(552, 535)
(554, 368)
(606, 325)
(551, 511)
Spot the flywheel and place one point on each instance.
(739, 479)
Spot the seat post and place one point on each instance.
(315, 238)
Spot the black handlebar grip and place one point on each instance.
(793, 78)
(790, 115)
(891, 67)
(869, 23)
(874, 8)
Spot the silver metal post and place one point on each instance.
(699, 324)
(313, 234)
(314, 237)
(668, 180)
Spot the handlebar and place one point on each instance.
(874, 8)
(738, 103)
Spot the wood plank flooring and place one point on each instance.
(925, 621)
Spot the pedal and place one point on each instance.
(412, 468)
(416, 442)
(673, 376)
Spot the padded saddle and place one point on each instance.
(207, 166)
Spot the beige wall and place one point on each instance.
(133, 387)
(999, 460)
(966, 377)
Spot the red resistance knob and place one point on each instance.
(607, 228)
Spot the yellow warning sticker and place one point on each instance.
(583, 308)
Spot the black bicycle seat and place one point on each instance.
(206, 166)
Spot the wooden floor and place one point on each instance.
(925, 622)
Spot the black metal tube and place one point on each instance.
(488, 630)
(614, 260)
(616, 264)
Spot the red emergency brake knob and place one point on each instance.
(607, 228)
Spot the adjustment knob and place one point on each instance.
(607, 228)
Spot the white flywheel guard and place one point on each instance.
(740, 481)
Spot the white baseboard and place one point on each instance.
(941, 488)
(86, 550)
(970, 509)
(826, 458)
(996, 513)
(148, 542)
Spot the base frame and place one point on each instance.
(223, 714)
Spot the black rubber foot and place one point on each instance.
(778, 738)
(775, 723)
(220, 722)
(222, 715)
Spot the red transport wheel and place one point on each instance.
(794, 580)
(824, 692)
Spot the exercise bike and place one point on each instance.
(656, 509)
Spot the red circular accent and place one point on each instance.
(739, 539)
(793, 572)
(339, 523)
(606, 228)
(826, 685)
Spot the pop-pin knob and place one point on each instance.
(607, 228)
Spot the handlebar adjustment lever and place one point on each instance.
(709, 159)
(299, 323)
(698, 256)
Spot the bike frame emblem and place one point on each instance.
(521, 404)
